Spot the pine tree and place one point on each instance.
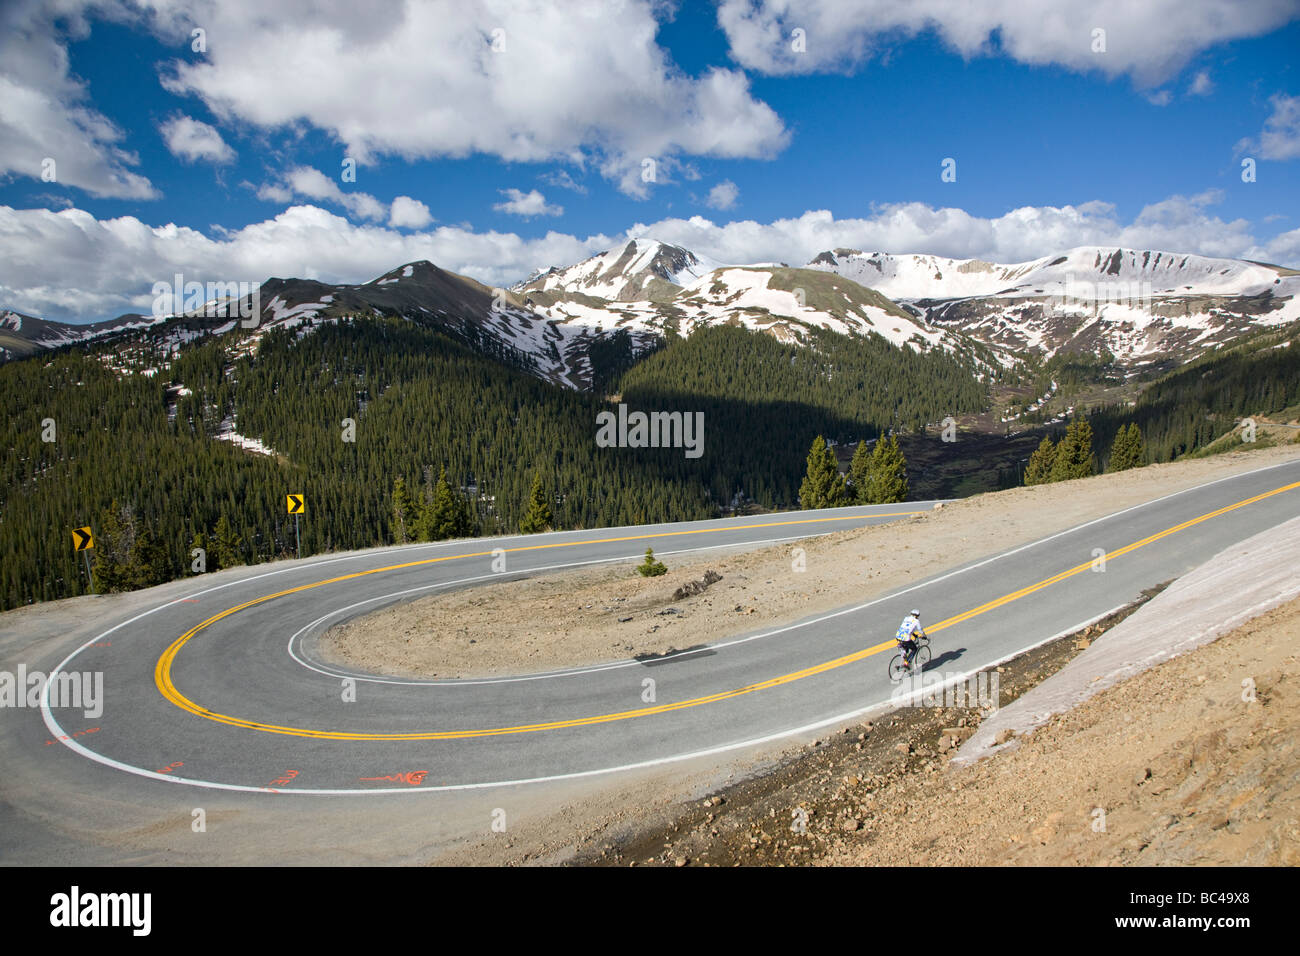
(1127, 451)
(114, 541)
(149, 564)
(1074, 454)
(404, 515)
(199, 543)
(1039, 469)
(651, 567)
(887, 474)
(227, 546)
(421, 509)
(1137, 446)
(823, 485)
(445, 513)
(127, 555)
(859, 473)
(466, 520)
(538, 517)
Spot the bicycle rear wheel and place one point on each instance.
(896, 670)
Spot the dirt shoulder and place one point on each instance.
(1176, 764)
(1173, 767)
(609, 612)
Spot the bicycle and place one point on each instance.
(922, 657)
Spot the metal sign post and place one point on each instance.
(296, 505)
(83, 541)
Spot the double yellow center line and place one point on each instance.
(163, 679)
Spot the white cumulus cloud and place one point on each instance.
(527, 204)
(408, 213)
(70, 265)
(723, 195)
(525, 81)
(191, 140)
(1176, 224)
(45, 111)
(1150, 41)
(1280, 138)
(312, 183)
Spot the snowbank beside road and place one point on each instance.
(1239, 583)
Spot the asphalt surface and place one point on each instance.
(249, 670)
(219, 688)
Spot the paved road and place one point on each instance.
(220, 689)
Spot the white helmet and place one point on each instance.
(915, 612)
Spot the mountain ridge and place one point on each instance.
(1140, 306)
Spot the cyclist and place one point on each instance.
(908, 631)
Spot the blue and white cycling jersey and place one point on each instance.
(909, 627)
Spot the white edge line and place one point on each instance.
(53, 726)
(887, 706)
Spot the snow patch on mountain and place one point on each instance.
(281, 312)
(226, 432)
(744, 295)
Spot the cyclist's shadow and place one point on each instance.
(946, 657)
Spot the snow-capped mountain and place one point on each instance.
(1140, 306)
(488, 319)
(644, 269)
(1137, 304)
(780, 301)
(646, 287)
(934, 277)
(22, 335)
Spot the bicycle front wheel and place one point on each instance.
(922, 658)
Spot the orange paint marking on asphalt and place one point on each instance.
(414, 777)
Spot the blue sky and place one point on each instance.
(1140, 144)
